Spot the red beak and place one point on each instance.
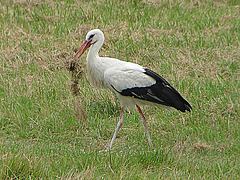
(84, 46)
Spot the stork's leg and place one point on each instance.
(118, 127)
(145, 125)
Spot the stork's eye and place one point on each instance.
(91, 36)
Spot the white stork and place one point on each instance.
(131, 83)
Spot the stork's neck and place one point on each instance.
(95, 67)
(94, 49)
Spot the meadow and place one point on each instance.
(55, 125)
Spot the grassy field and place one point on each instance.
(49, 132)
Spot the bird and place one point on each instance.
(133, 84)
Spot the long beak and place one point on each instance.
(84, 46)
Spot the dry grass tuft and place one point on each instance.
(76, 70)
(201, 146)
(187, 147)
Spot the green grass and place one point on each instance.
(44, 133)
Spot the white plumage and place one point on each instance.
(132, 83)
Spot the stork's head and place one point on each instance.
(94, 36)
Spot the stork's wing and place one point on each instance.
(146, 85)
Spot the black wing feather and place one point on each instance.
(161, 93)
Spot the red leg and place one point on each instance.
(145, 125)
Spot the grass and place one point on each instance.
(47, 132)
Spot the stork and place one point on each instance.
(133, 84)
